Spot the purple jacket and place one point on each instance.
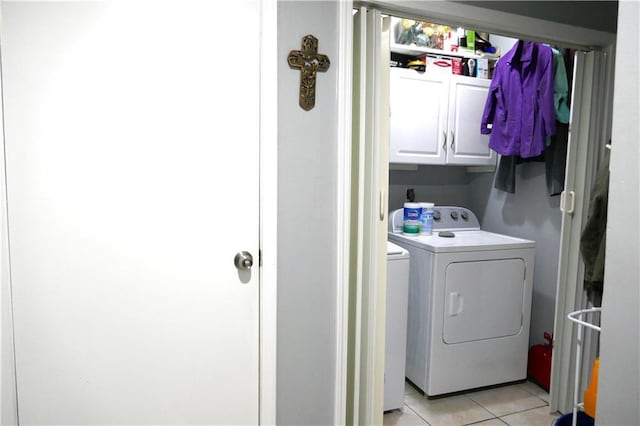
(520, 102)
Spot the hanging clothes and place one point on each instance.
(505, 179)
(519, 112)
(592, 240)
(555, 159)
(556, 152)
(560, 88)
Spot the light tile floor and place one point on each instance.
(522, 404)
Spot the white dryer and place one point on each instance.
(469, 303)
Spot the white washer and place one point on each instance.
(396, 326)
(469, 304)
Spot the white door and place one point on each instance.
(483, 300)
(466, 146)
(418, 103)
(132, 170)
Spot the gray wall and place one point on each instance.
(529, 213)
(307, 243)
(619, 381)
(597, 15)
(439, 184)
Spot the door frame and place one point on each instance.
(268, 239)
(509, 25)
(343, 206)
(268, 213)
(8, 390)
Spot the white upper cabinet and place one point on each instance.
(435, 119)
(418, 122)
(466, 146)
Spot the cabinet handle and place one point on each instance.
(444, 144)
(453, 139)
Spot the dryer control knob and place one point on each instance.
(465, 216)
(454, 215)
(436, 215)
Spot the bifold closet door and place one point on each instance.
(370, 177)
(586, 142)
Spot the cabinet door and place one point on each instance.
(466, 146)
(483, 300)
(418, 117)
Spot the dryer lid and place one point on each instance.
(463, 241)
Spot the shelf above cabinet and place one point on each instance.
(410, 49)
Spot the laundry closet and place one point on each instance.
(437, 153)
(459, 169)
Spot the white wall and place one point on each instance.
(307, 222)
(619, 381)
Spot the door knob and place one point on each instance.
(243, 261)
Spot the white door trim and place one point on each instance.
(8, 393)
(268, 212)
(343, 214)
(357, 215)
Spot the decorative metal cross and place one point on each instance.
(309, 61)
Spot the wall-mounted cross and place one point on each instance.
(309, 62)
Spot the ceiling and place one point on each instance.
(596, 15)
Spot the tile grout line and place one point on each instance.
(524, 411)
(515, 412)
(537, 394)
(416, 413)
(495, 416)
(482, 421)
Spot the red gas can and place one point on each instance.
(539, 366)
